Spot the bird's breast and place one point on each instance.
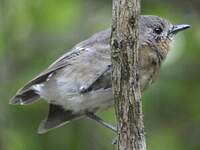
(149, 66)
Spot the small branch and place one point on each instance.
(126, 88)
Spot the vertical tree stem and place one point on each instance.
(126, 88)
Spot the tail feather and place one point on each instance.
(57, 117)
(24, 98)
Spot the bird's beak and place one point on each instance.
(176, 28)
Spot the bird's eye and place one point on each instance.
(158, 30)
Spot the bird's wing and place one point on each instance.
(93, 56)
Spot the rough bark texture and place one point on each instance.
(126, 89)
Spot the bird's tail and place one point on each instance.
(57, 117)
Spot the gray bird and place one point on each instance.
(78, 84)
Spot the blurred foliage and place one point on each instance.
(34, 33)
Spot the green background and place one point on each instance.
(34, 33)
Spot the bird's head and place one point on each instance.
(158, 33)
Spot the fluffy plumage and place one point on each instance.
(80, 81)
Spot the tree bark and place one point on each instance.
(126, 88)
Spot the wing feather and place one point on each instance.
(92, 54)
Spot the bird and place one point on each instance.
(78, 84)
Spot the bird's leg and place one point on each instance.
(114, 141)
(101, 121)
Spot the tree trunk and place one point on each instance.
(126, 88)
